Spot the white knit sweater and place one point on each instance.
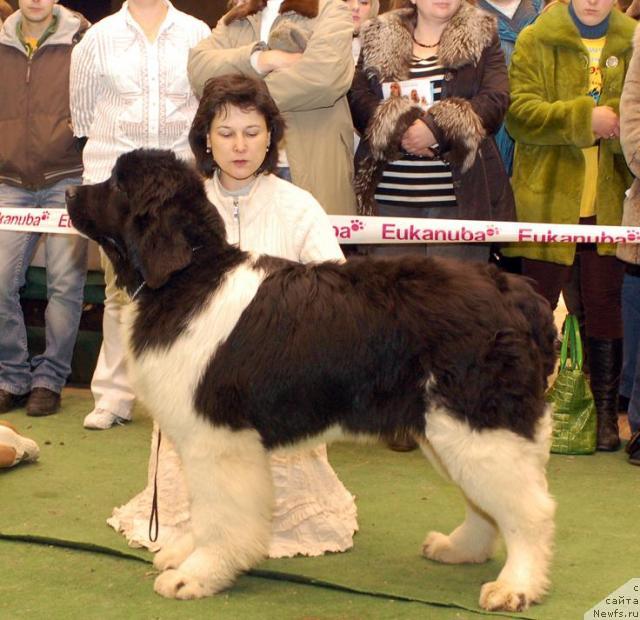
(276, 218)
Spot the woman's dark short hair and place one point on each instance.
(243, 92)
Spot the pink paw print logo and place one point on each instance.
(44, 216)
(357, 225)
(631, 235)
(492, 230)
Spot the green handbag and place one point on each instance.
(574, 411)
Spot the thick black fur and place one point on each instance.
(368, 345)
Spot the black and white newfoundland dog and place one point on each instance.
(236, 354)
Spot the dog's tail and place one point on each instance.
(536, 311)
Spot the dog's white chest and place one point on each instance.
(165, 378)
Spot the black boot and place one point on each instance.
(606, 362)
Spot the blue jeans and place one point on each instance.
(66, 267)
(630, 379)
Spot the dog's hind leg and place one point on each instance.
(472, 541)
(231, 498)
(503, 475)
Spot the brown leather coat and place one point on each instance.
(474, 101)
(37, 146)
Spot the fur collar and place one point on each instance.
(306, 8)
(387, 45)
(555, 28)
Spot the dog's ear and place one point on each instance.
(161, 246)
(159, 189)
(157, 241)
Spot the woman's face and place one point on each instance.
(360, 11)
(437, 10)
(593, 12)
(239, 140)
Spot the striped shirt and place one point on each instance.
(417, 181)
(127, 92)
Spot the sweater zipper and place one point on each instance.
(26, 144)
(236, 217)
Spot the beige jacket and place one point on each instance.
(311, 94)
(630, 141)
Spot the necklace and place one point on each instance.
(425, 46)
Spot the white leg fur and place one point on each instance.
(231, 503)
(472, 541)
(503, 477)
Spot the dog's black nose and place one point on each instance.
(71, 193)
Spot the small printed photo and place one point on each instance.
(419, 92)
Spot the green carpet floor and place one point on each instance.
(81, 475)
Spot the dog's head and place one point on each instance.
(148, 216)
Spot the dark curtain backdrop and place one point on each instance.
(207, 10)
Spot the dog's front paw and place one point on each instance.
(500, 596)
(177, 584)
(174, 553)
(201, 574)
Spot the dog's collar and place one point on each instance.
(137, 291)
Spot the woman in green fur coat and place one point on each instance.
(566, 77)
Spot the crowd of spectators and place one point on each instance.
(495, 110)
